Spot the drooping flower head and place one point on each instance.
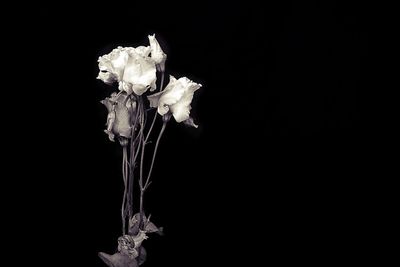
(176, 99)
(121, 109)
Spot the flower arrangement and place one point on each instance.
(132, 113)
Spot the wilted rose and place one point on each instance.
(121, 108)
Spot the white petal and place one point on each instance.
(153, 85)
(104, 63)
(118, 62)
(172, 79)
(181, 108)
(157, 54)
(139, 89)
(172, 93)
(122, 121)
(106, 77)
(140, 72)
(124, 86)
(180, 112)
(143, 51)
(108, 103)
(190, 123)
(154, 99)
(114, 62)
(118, 118)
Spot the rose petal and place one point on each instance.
(104, 63)
(143, 51)
(110, 118)
(113, 64)
(132, 107)
(124, 86)
(122, 121)
(190, 122)
(172, 93)
(106, 102)
(140, 72)
(119, 60)
(119, 115)
(154, 99)
(157, 54)
(176, 98)
(183, 92)
(106, 77)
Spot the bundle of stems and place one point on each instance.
(133, 158)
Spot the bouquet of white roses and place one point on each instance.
(131, 121)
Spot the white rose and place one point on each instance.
(131, 67)
(112, 65)
(176, 99)
(140, 73)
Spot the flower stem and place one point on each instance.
(155, 113)
(143, 145)
(132, 158)
(147, 183)
(142, 140)
(141, 223)
(154, 154)
(124, 175)
(162, 81)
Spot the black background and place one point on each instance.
(273, 171)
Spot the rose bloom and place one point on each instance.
(131, 67)
(176, 99)
(120, 111)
